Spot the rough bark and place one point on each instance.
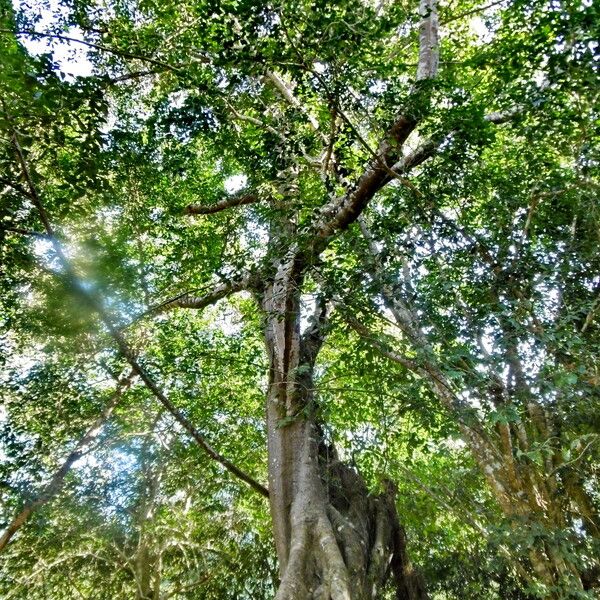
(334, 540)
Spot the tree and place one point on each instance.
(372, 189)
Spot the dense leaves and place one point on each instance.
(462, 306)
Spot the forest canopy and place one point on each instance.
(299, 300)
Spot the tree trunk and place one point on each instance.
(334, 540)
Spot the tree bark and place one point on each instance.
(334, 540)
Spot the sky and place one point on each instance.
(70, 56)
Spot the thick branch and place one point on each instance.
(428, 41)
(209, 209)
(189, 300)
(287, 93)
(341, 212)
(504, 116)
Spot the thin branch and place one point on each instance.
(462, 512)
(577, 458)
(591, 314)
(366, 334)
(329, 155)
(258, 123)
(57, 480)
(101, 47)
(15, 186)
(22, 231)
(133, 75)
(471, 12)
(430, 146)
(249, 119)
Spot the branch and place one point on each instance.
(591, 314)
(209, 209)
(504, 116)
(341, 212)
(187, 300)
(430, 146)
(101, 47)
(15, 186)
(22, 231)
(57, 481)
(369, 336)
(407, 321)
(258, 123)
(94, 302)
(472, 12)
(577, 458)
(428, 41)
(133, 75)
(287, 93)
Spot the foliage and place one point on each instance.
(492, 245)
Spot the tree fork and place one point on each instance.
(334, 540)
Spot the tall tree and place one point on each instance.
(440, 140)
